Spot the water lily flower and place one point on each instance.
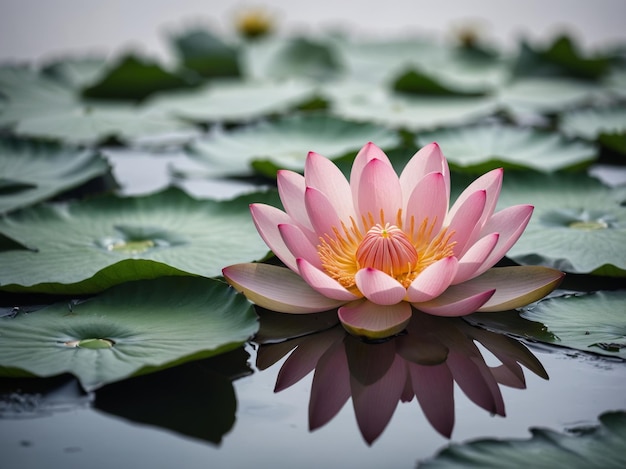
(379, 245)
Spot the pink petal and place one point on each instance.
(298, 243)
(491, 183)
(433, 280)
(516, 286)
(364, 318)
(465, 221)
(266, 219)
(378, 287)
(323, 175)
(510, 223)
(379, 190)
(429, 199)
(322, 283)
(428, 159)
(321, 212)
(277, 288)
(291, 187)
(455, 301)
(474, 257)
(365, 155)
(434, 389)
(331, 386)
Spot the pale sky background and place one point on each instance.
(34, 30)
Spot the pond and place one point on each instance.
(127, 185)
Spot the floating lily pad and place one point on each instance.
(607, 125)
(582, 448)
(131, 329)
(579, 225)
(417, 82)
(234, 101)
(374, 104)
(285, 143)
(33, 172)
(485, 147)
(76, 72)
(87, 246)
(547, 95)
(135, 78)
(593, 322)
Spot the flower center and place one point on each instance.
(400, 252)
(386, 248)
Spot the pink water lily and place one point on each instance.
(379, 245)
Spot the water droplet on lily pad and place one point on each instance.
(589, 225)
(93, 343)
(139, 239)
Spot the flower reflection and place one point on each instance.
(425, 362)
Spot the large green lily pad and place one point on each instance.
(370, 103)
(234, 101)
(582, 448)
(131, 329)
(87, 246)
(285, 143)
(593, 322)
(33, 171)
(480, 148)
(607, 125)
(579, 225)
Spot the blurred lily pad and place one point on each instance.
(606, 125)
(34, 171)
(135, 78)
(234, 101)
(76, 72)
(582, 448)
(579, 225)
(284, 143)
(90, 245)
(370, 103)
(131, 329)
(206, 54)
(481, 148)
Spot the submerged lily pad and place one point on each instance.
(87, 246)
(234, 101)
(131, 329)
(485, 147)
(285, 142)
(593, 322)
(582, 448)
(579, 225)
(33, 171)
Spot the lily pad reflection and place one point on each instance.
(424, 363)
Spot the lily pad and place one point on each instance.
(90, 245)
(582, 448)
(285, 142)
(131, 329)
(592, 322)
(135, 78)
(355, 101)
(76, 72)
(579, 225)
(234, 101)
(484, 147)
(33, 171)
(606, 125)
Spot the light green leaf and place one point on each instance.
(485, 147)
(606, 125)
(582, 448)
(87, 246)
(286, 142)
(76, 72)
(370, 103)
(234, 101)
(131, 329)
(578, 225)
(32, 172)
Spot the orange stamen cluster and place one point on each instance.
(400, 253)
